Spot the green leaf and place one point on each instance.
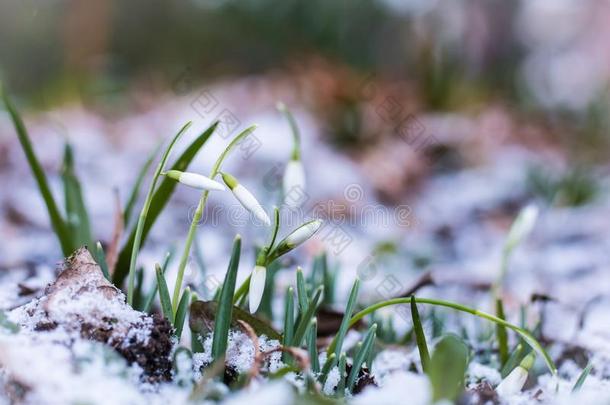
(181, 313)
(225, 303)
(312, 307)
(582, 377)
(166, 305)
(101, 259)
(330, 363)
(76, 210)
(57, 222)
(514, 359)
(361, 356)
(501, 333)
(420, 337)
(203, 313)
(337, 342)
(135, 191)
(158, 203)
(447, 368)
(301, 290)
(139, 232)
(312, 346)
(153, 292)
(288, 317)
(340, 393)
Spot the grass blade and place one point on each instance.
(330, 363)
(153, 292)
(312, 346)
(582, 377)
(101, 259)
(288, 318)
(301, 290)
(513, 361)
(306, 318)
(139, 233)
(76, 210)
(340, 392)
(501, 333)
(222, 322)
(158, 203)
(166, 305)
(135, 191)
(337, 342)
(420, 337)
(288, 323)
(361, 356)
(182, 310)
(57, 221)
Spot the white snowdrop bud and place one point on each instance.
(514, 382)
(246, 199)
(294, 182)
(522, 226)
(302, 233)
(257, 287)
(195, 180)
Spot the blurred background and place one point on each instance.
(446, 117)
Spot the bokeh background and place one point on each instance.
(445, 117)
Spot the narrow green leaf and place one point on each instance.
(340, 393)
(141, 225)
(101, 259)
(182, 310)
(328, 365)
(148, 302)
(312, 346)
(166, 305)
(288, 318)
(225, 303)
(301, 290)
(288, 324)
(361, 356)
(76, 210)
(582, 377)
(514, 359)
(447, 368)
(420, 337)
(312, 307)
(57, 222)
(158, 203)
(135, 190)
(501, 333)
(337, 343)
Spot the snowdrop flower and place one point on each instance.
(257, 287)
(294, 183)
(298, 237)
(195, 180)
(522, 226)
(513, 383)
(246, 198)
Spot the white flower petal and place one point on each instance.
(522, 226)
(257, 287)
(294, 182)
(251, 204)
(199, 181)
(513, 383)
(303, 233)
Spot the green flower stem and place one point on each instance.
(242, 290)
(398, 301)
(296, 150)
(199, 213)
(144, 213)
